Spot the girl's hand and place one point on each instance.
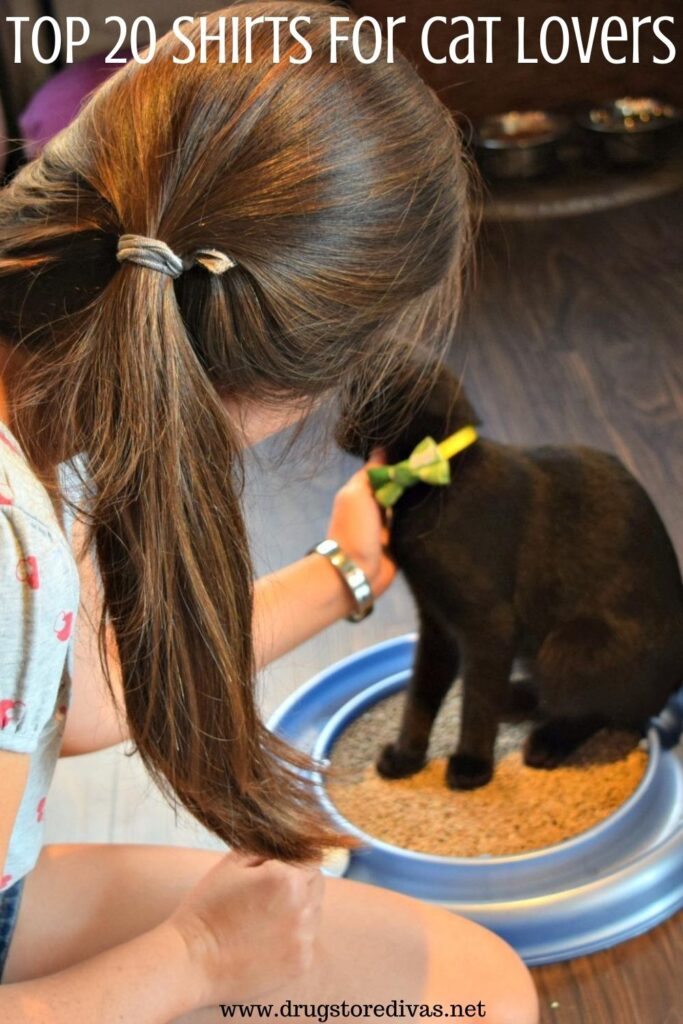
(249, 926)
(358, 526)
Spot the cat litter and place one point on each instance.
(520, 809)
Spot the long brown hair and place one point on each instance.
(341, 193)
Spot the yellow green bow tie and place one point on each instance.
(427, 464)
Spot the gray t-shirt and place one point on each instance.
(39, 590)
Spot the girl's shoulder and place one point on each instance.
(21, 490)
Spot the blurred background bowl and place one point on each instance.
(632, 131)
(520, 143)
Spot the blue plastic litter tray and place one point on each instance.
(608, 884)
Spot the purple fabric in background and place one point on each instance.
(59, 99)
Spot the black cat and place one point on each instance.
(552, 554)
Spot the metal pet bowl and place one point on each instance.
(520, 143)
(608, 884)
(632, 130)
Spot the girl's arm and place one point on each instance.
(209, 950)
(290, 606)
(297, 602)
(93, 721)
(148, 980)
(14, 769)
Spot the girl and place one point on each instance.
(205, 254)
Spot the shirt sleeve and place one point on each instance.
(38, 605)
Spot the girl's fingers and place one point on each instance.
(377, 458)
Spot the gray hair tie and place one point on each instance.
(156, 255)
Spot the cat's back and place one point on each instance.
(554, 528)
(595, 528)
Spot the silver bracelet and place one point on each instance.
(353, 576)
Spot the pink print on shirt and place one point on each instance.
(5, 880)
(6, 495)
(40, 809)
(27, 572)
(63, 624)
(8, 712)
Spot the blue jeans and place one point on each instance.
(9, 911)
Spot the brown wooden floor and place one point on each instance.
(638, 982)
(575, 333)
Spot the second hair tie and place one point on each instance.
(157, 255)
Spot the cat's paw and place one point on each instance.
(467, 772)
(542, 749)
(394, 763)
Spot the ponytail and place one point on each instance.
(164, 476)
(347, 223)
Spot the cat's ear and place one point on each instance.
(350, 437)
(369, 416)
(357, 425)
(417, 399)
(376, 424)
